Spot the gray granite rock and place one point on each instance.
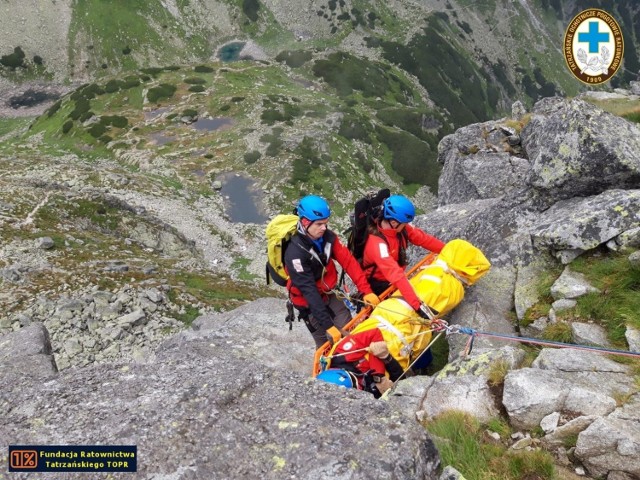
(221, 413)
(26, 353)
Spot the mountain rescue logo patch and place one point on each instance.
(593, 46)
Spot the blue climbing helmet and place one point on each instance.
(398, 208)
(338, 377)
(313, 207)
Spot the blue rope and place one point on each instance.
(473, 333)
(323, 363)
(467, 330)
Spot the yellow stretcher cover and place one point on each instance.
(403, 331)
(439, 285)
(437, 288)
(464, 261)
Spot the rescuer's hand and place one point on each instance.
(379, 349)
(371, 299)
(333, 335)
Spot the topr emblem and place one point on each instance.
(593, 46)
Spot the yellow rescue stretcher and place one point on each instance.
(438, 281)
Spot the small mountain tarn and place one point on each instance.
(211, 124)
(162, 139)
(243, 199)
(231, 51)
(31, 98)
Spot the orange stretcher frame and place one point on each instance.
(364, 313)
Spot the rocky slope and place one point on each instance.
(569, 185)
(229, 373)
(214, 399)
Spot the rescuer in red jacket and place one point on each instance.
(384, 259)
(313, 276)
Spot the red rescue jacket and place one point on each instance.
(381, 253)
(313, 274)
(362, 360)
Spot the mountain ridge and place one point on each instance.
(515, 45)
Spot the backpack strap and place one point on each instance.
(403, 243)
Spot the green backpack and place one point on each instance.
(278, 233)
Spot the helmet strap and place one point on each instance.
(386, 224)
(398, 228)
(303, 224)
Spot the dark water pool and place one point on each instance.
(231, 51)
(155, 113)
(31, 98)
(243, 199)
(211, 124)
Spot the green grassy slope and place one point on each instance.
(398, 76)
(291, 130)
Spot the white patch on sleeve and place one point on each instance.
(384, 250)
(297, 264)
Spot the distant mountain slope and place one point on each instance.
(473, 58)
(277, 124)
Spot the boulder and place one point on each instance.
(579, 150)
(571, 429)
(469, 394)
(589, 334)
(450, 473)
(564, 380)
(563, 304)
(44, 243)
(461, 385)
(585, 223)
(27, 353)
(612, 443)
(632, 335)
(629, 238)
(518, 110)
(571, 285)
(550, 422)
(472, 181)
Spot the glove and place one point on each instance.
(425, 312)
(371, 299)
(384, 384)
(333, 335)
(379, 349)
